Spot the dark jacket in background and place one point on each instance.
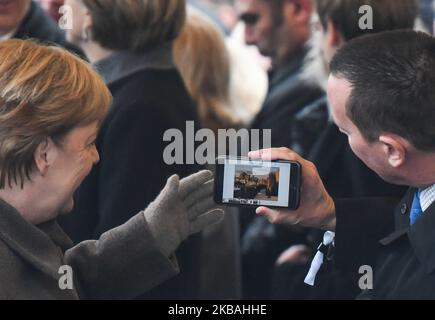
(149, 98)
(37, 25)
(288, 94)
(371, 232)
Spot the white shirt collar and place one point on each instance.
(427, 197)
(8, 35)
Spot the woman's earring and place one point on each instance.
(85, 34)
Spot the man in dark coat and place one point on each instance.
(387, 113)
(283, 38)
(343, 174)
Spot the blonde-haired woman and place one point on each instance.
(51, 106)
(130, 43)
(203, 60)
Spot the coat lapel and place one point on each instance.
(31, 242)
(401, 219)
(421, 235)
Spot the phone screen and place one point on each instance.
(256, 183)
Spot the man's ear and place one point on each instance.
(394, 149)
(44, 156)
(333, 35)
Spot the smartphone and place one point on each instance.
(255, 183)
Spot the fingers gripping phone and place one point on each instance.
(254, 183)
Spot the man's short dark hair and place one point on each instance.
(392, 76)
(387, 15)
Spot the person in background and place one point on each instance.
(24, 19)
(281, 29)
(133, 53)
(203, 60)
(51, 106)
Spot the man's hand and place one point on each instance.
(298, 254)
(317, 209)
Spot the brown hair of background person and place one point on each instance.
(345, 16)
(120, 24)
(33, 109)
(203, 60)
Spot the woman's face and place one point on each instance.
(70, 163)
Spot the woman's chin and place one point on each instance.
(68, 207)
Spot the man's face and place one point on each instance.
(372, 154)
(12, 13)
(259, 25)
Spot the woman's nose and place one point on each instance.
(96, 156)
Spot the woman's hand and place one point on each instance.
(183, 208)
(317, 209)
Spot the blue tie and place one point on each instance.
(416, 210)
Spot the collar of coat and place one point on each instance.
(122, 64)
(42, 246)
(421, 235)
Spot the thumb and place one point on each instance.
(269, 214)
(205, 220)
(170, 189)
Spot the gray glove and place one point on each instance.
(183, 208)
